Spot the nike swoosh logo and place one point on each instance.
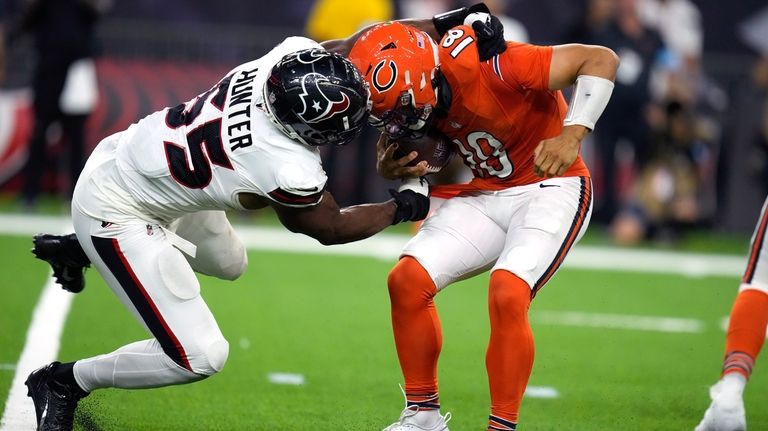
(542, 185)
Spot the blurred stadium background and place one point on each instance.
(693, 89)
(680, 160)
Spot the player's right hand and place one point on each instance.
(412, 200)
(390, 168)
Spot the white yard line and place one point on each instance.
(40, 348)
(388, 247)
(41, 344)
(616, 321)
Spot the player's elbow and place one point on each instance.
(605, 58)
(327, 237)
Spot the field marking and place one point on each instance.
(388, 246)
(541, 392)
(617, 321)
(286, 379)
(41, 347)
(7, 367)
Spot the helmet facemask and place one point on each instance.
(406, 120)
(317, 98)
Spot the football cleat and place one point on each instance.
(726, 413)
(66, 257)
(415, 420)
(55, 403)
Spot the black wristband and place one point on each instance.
(411, 206)
(448, 20)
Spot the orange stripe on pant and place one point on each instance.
(757, 246)
(585, 199)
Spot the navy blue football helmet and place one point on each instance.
(317, 97)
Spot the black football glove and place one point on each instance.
(448, 20)
(490, 37)
(412, 200)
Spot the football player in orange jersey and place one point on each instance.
(528, 203)
(745, 338)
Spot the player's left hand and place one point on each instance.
(490, 34)
(552, 157)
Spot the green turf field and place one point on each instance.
(327, 317)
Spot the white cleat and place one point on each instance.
(415, 420)
(726, 413)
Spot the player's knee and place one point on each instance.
(508, 295)
(211, 357)
(410, 286)
(237, 266)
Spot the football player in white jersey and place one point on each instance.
(148, 212)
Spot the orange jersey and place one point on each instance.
(501, 110)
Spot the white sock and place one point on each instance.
(733, 384)
(426, 418)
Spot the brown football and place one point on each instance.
(434, 147)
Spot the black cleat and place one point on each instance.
(55, 403)
(66, 257)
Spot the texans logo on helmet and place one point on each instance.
(377, 75)
(317, 105)
(311, 55)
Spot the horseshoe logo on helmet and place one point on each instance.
(309, 56)
(317, 106)
(377, 75)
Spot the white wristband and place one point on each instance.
(589, 99)
(419, 185)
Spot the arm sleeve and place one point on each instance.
(524, 66)
(298, 187)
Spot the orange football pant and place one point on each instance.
(418, 335)
(746, 331)
(416, 325)
(509, 358)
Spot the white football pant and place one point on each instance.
(526, 230)
(157, 283)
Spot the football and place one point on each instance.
(434, 147)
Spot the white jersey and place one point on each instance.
(200, 155)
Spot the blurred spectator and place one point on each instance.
(426, 8)
(336, 19)
(513, 29)
(760, 130)
(2, 42)
(616, 24)
(2, 48)
(64, 82)
(754, 32)
(678, 22)
(665, 196)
